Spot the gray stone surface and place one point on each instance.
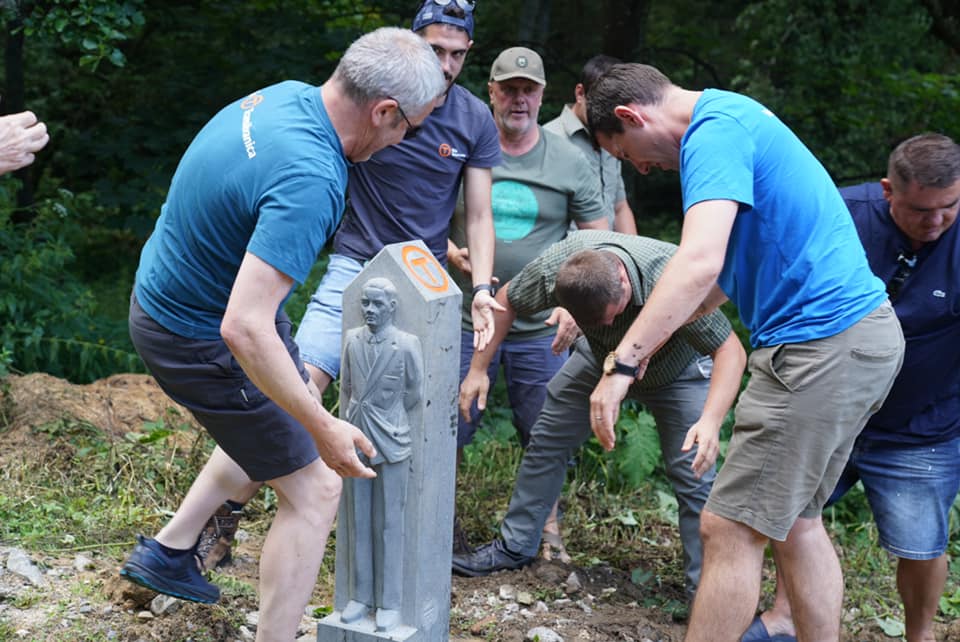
(429, 309)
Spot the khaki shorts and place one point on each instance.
(797, 419)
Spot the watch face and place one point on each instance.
(610, 363)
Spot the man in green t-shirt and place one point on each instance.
(542, 185)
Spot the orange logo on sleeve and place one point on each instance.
(444, 150)
(251, 101)
(425, 268)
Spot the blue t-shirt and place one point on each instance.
(266, 175)
(793, 268)
(924, 404)
(409, 191)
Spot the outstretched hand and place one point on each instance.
(482, 314)
(567, 330)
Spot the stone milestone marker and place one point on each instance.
(399, 383)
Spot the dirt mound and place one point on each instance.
(119, 404)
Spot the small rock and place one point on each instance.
(572, 585)
(525, 598)
(542, 634)
(253, 619)
(541, 607)
(85, 608)
(563, 601)
(584, 607)
(82, 563)
(163, 604)
(145, 615)
(19, 562)
(241, 536)
(508, 592)
(511, 608)
(245, 633)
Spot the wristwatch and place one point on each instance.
(611, 365)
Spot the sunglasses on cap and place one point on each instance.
(466, 5)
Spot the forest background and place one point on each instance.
(124, 86)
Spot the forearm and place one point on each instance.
(675, 298)
(623, 219)
(729, 361)
(265, 360)
(478, 223)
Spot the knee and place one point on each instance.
(720, 531)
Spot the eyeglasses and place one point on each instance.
(905, 264)
(466, 5)
(411, 128)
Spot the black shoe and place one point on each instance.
(149, 566)
(489, 558)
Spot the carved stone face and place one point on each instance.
(377, 308)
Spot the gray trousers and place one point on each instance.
(564, 425)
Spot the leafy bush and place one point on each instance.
(48, 315)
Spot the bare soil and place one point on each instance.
(93, 603)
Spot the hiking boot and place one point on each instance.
(461, 546)
(213, 547)
(179, 576)
(489, 558)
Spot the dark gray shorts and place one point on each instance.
(203, 376)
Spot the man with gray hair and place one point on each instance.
(255, 197)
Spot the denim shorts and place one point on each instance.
(203, 376)
(910, 490)
(321, 328)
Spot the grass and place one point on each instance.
(83, 489)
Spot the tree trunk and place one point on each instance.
(12, 102)
(626, 29)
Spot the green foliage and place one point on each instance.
(848, 76)
(86, 487)
(93, 29)
(48, 315)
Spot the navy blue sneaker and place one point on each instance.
(178, 576)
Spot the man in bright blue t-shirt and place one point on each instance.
(906, 457)
(765, 227)
(254, 198)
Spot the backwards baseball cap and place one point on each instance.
(518, 62)
(446, 12)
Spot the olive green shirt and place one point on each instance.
(644, 258)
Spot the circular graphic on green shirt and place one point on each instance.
(514, 210)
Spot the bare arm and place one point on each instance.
(21, 137)
(481, 239)
(684, 285)
(715, 298)
(475, 384)
(728, 363)
(249, 330)
(623, 219)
